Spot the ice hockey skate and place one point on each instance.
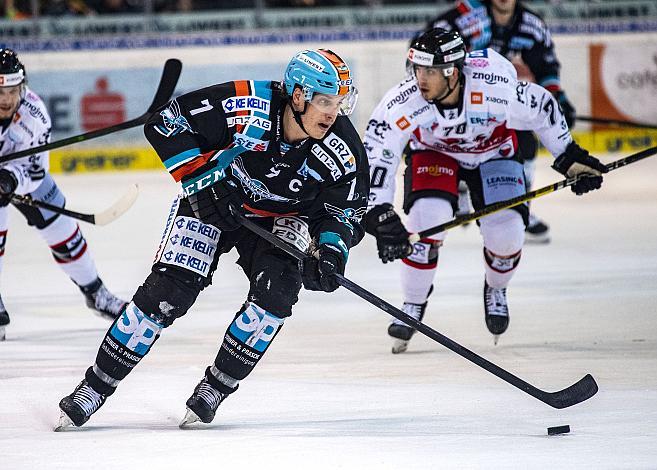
(78, 407)
(537, 231)
(4, 320)
(496, 310)
(102, 301)
(203, 404)
(400, 331)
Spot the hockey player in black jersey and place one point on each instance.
(519, 34)
(283, 153)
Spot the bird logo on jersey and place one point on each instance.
(173, 122)
(254, 188)
(345, 215)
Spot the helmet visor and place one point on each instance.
(440, 70)
(342, 105)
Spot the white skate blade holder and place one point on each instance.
(189, 419)
(64, 423)
(399, 346)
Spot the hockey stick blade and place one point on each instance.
(119, 208)
(165, 90)
(576, 393)
(101, 218)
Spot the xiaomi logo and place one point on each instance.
(476, 97)
(403, 123)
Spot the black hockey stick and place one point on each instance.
(616, 122)
(509, 203)
(582, 390)
(165, 90)
(100, 218)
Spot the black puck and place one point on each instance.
(558, 430)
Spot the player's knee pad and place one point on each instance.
(428, 212)
(72, 245)
(246, 340)
(275, 285)
(3, 241)
(502, 264)
(168, 293)
(503, 232)
(425, 254)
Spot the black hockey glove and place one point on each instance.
(8, 185)
(8, 182)
(216, 205)
(576, 162)
(567, 108)
(391, 236)
(317, 272)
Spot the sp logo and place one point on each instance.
(135, 330)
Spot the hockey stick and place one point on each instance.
(165, 89)
(616, 122)
(100, 218)
(509, 203)
(582, 390)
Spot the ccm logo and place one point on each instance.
(476, 97)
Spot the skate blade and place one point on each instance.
(399, 346)
(64, 423)
(496, 338)
(537, 240)
(2, 333)
(189, 419)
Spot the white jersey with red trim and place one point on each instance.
(30, 127)
(493, 103)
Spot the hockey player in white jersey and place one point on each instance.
(458, 112)
(24, 123)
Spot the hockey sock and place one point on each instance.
(418, 270)
(128, 340)
(245, 341)
(69, 248)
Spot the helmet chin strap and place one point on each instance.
(297, 114)
(449, 89)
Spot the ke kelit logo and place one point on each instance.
(403, 123)
(476, 97)
(245, 103)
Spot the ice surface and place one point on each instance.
(329, 394)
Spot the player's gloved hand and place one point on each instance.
(318, 271)
(576, 162)
(8, 182)
(391, 236)
(216, 205)
(567, 108)
(8, 185)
